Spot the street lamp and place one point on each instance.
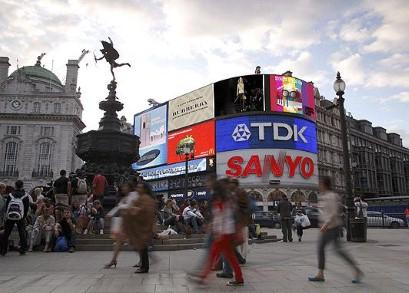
(339, 88)
(187, 150)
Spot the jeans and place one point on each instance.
(8, 227)
(38, 234)
(193, 222)
(224, 246)
(332, 235)
(286, 229)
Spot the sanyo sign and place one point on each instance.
(266, 131)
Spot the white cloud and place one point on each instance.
(350, 66)
(392, 34)
(401, 97)
(354, 31)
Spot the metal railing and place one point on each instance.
(42, 174)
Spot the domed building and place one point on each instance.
(40, 118)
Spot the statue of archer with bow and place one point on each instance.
(110, 55)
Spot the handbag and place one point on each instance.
(306, 222)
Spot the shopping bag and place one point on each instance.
(305, 221)
(61, 244)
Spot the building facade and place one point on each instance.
(380, 163)
(40, 118)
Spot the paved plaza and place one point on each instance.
(272, 267)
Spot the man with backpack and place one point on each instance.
(17, 205)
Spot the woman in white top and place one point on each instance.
(117, 233)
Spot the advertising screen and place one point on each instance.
(288, 168)
(151, 127)
(239, 94)
(195, 193)
(292, 95)
(201, 136)
(194, 107)
(266, 132)
(194, 166)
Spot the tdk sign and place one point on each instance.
(266, 131)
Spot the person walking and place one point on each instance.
(331, 222)
(224, 236)
(17, 205)
(285, 209)
(139, 220)
(129, 195)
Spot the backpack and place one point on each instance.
(15, 209)
(82, 186)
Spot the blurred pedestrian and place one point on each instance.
(139, 221)
(224, 235)
(128, 196)
(331, 221)
(284, 209)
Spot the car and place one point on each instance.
(266, 219)
(313, 215)
(378, 219)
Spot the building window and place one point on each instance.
(57, 108)
(37, 107)
(10, 157)
(13, 130)
(47, 131)
(44, 158)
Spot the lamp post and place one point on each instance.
(188, 152)
(339, 87)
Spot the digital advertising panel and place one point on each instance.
(266, 132)
(151, 127)
(194, 166)
(289, 168)
(200, 135)
(239, 94)
(191, 108)
(292, 95)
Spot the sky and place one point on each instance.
(175, 46)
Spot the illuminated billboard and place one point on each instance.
(292, 95)
(191, 108)
(288, 168)
(199, 165)
(201, 136)
(151, 127)
(266, 132)
(239, 94)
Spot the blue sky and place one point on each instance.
(176, 46)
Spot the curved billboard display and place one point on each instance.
(290, 168)
(266, 132)
(292, 95)
(151, 127)
(201, 136)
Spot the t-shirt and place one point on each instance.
(99, 184)
(61, 185)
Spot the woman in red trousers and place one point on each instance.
(224, 233)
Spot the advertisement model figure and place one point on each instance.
(241, 95)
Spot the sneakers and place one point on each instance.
(85, 232)
(101, 232)
(235, 283)
(71, 250)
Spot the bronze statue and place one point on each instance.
(110, 55)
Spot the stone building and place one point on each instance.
(380, 163)
(40, 118)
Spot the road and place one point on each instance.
(274, 267)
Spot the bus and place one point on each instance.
(390, 205)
